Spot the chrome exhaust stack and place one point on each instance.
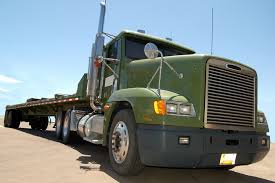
(95, 59)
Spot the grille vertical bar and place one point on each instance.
(230, 97)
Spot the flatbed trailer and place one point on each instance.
(53, 102)
(154, 102)
(34, 109)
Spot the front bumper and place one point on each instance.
(159, 146)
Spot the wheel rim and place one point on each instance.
(120, 142)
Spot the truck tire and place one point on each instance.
(59, 124)
(40, 123)
(6, 119)
(34, 125)
(123, 146)
(44, 123)
(12, 120)
(66, 131)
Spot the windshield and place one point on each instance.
(135, 49)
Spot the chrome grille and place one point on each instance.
(230, 97)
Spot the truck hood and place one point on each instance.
(191, 87)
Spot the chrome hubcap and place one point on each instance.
(120, 142)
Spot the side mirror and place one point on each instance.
(151, 50)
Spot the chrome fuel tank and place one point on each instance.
(90, 126)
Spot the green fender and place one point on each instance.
(141, 101)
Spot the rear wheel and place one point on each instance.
(12, 120)
(39, 123)
(123, 147)
(34, 125)
(66, 131)
(44, 123)
(59, 124)
(6, 119)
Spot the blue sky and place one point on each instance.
(45, 45)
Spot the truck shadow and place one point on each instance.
(95, 158)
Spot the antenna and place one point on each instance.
(212, 31)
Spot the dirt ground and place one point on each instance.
(29, 156)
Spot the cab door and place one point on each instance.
(110, 80)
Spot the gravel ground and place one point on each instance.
(35, 156)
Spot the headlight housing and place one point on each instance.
(185, 109)
(180, 109)
(172, 108)
(261, 119)
(162, 107)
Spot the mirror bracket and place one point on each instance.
(151, 51)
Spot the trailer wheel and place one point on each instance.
(35, 124)
(6, 119)
(66, 131)
(12, 120)
(44, 123)
(59, 124)
(123, 147)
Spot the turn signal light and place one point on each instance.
(97, 62)
(160, 107)
(106, 107)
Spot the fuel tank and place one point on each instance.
(90, 126)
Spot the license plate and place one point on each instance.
(228, 159)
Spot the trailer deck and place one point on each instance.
(78, 97)
(42, 102)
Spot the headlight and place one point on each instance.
(261, 119)
(172, 108)
(185, 109)
(177, 108)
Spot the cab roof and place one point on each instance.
(158, 39)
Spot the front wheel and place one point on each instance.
(123, 147)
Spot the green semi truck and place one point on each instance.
(153, 102)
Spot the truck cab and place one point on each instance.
(128, 46)
(209, 113)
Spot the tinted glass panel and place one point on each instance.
(135, 49)
(112, 52)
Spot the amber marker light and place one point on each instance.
(160, 107)
(106, 107)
